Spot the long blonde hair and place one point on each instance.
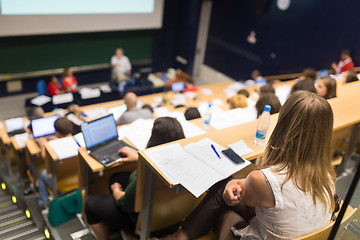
(301, 144)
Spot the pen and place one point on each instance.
(217, 154)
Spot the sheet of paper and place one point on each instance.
(283, 93)
(190, 129)
(180, 167)
(87, 93)
(207, 91)
(96, 113)
(21, 139)
(217, 102)
(191, 95)
(64, 147)
(74, 119)
(232, 117)
(162, 112)
(139, 132)
(62, 98)
(105, 88)
(40, 100)
(79, 138)
(240, 148)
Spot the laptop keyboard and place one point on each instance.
(110, 150)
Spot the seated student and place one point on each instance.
(306, 85)
(54, 87)
(238, 101)
(308, 73)
(244, 92)
(117, 209)
(69, 81)
(63, 128)
(132, 113)
(37, 113)
(351, 77)
(192, 113)
(256, 76)
(345, 63)
(268, 88)
(76, 116)
(293, 192)
(267, 99)
(326, 87)
(149, 107)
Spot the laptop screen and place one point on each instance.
(14, 124)
(117, 111)
(43, 126)
(99, 131)
(177, 87)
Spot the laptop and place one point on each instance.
(117, 111)
(14, 126)
(44, 127)
(101, 140)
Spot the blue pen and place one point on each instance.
(217, 154)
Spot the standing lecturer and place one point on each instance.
(121, 68)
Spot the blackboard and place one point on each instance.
(44, 52)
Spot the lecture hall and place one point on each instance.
(179, 119)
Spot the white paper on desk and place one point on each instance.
(162, 112)
(283, 93)
(207, 91)
(236, 86)
(158, 99)
(21, 139)
(204, 106)
(105, 88)
(202, 151)
(87, 93)
(65, 147)
(180, 167)
(74, 119)
(217, 102)
(178, 116)
(233, 117)
(96, 113)
(190, 129)
(190, 94)
(62, 98)
(240, 148)
(40, 100)
(139, 132)
(79, 138)
(122, 131)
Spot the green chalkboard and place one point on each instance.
(43, 52)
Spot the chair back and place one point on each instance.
(41, 87)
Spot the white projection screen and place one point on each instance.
(37, 17)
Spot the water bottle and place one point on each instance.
(207, 117)
(263, 126)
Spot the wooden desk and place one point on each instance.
(33, 159)
(20, 157)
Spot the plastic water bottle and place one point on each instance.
(263, 126)
(207, 117)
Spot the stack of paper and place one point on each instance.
(40, 100)
(207, 91)
(283, 93)
(62, 98)
(105, 88)
(196, 166)
(87, 93)
(96, 113)
(191, 130)
(233, 117)
(240, 148)
(138, 132)
(64, 147)
(21, 139)
(79, 138)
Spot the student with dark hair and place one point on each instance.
(116, 210)
(281, 194)
(54, 87)
(192, 113)
(326, 87)
(308, 73)
(351, 77)
(306, 85)
(268, 99)
(148, 107)
(268, 88)
(345, 63)
(244, 92)
(256, 76)
(63, 128)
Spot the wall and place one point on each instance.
(308, 34)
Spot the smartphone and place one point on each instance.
(230, 154)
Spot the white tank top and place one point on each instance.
(294, 214)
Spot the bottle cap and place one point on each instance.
(210, 104)
(267, 108)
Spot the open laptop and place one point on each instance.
(44, 127)
(101, 140)
(178, 87)
(14, 126)
(117, 111)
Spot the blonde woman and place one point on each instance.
(293, 191)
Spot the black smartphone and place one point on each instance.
(230, 154)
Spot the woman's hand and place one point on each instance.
(232, 192)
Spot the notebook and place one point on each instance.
(14, 126)
(117, 111)
(42, 127)
(101, 140)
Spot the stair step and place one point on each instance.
(13, 222)
(11, 215)
(5, 198)
(33, 235)
(6, 204)
(10, 208)
(27, 227)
